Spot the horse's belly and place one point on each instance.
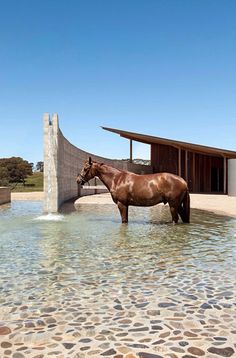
(137, 195)
(145, 200)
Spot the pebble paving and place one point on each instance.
(142, 309)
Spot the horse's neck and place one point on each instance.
(107, 174)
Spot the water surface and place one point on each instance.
(84, 279)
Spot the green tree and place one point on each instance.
(17, 168)
(4, 176)
(39, 166)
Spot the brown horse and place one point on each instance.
(127, 188)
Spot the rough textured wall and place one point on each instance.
(5, 195)
(232, 177)
(63, 161)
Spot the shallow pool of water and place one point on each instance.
(83, 283)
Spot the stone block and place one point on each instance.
(5, 195)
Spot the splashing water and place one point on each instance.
(50, 217)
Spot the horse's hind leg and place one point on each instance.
(182, 213)
(174, 213)
(123, 212)
(184, 208)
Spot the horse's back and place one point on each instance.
(172, 177)
(149, 189)
(170, 185)
(162, 181)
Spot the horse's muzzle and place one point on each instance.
(80, 180)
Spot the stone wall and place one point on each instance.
(63, 161)
(5, 195)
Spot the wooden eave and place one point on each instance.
(147, 139)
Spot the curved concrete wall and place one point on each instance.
(63, 161)
(232, 177)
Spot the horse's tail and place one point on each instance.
(186, 207)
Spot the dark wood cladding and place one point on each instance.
(164, 158)
(203, 172)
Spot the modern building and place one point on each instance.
(206, 169)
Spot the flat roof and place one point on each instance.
(148, 139)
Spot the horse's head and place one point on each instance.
(87, 172)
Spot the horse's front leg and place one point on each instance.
(123, 212)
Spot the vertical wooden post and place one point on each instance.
(194, 173)
(130, 150)
(95, 184)
(186, 165)
(179, 162)
(225, 175)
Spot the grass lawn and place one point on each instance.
(33, 183)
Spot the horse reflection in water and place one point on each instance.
(127, 188)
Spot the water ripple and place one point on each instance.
(42, 255)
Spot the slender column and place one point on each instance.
(130, 150)
(225, 175)
(179, 162)
(194, 173)
(186, 165)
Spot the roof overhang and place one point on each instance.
(148, 139)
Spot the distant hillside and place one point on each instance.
(140, 161)
(32, 183)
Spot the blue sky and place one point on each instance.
(160, 67)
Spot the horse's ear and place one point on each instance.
(90, 161)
